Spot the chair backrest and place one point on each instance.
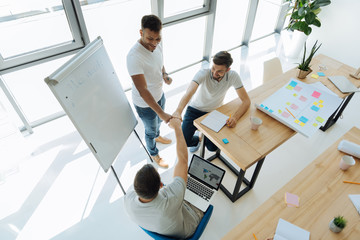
(198, 232)
(272, 69)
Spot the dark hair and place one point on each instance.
(147, 182)
(151, 22)
(223, 58)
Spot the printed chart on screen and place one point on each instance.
(301, 106)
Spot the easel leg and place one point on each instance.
(116, 176)
(143, 145)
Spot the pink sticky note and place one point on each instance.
(285, 114)
(293, 106)
(316, 94)
(297, 88)
(291, 200)
(302, 98)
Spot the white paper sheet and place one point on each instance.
(215, 120)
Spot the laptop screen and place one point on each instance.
(206, 172)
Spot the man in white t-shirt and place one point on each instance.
(212, 84)
(160, 208)
(146, 68)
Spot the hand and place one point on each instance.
(167, 79)
(174, 123)
(231, 122)
(165, 117)
(177, 115)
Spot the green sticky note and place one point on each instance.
(290, 87)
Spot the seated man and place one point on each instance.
(160, 208)
(213, 85)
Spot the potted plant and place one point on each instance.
(337, 224)
(304, 66)
(304, 14)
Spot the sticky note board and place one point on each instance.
(311, 106)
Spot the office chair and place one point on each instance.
(272, 69)
(199, 230)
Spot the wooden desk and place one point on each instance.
(247, 147)
(323, 195)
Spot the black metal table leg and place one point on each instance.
(240, 177)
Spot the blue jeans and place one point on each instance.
(189, 129)
(151, 123)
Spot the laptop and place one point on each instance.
(343, 84)
(204, 179)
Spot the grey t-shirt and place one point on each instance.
(211, 93)
(167, 214)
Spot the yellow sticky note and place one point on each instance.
(297, 121)
(319, 119)
(320, 105)
(279, 111)
(288, 103)
(314, 76)
(302, 124)
(315, 103)
(294, 94)
(321, 101)
(315, 124)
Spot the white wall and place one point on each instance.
(340, 31)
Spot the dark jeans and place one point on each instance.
(152, 125)
(189, 129)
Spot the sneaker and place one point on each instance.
(194, 148)
(163, 140)
(160, 162)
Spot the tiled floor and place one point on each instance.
(58, 190)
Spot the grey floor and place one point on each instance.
(56, 189)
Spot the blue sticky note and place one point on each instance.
(293, 83)
(262, 105)
(225, 141)
(266, 108)
(321, 74)
(315, 108)
(271, 110)
(303, 119)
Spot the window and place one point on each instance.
(35, 30)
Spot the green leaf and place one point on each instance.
(302, 11)
(323, 3)
(307, 30)
(295, 15)
(310, 18)
(317, 23)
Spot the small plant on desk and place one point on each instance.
(304, 66)
(337, 224)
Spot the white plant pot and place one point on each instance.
(334, 228)
(293, 43)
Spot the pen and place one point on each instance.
(290, 113)
(255, 236)
(351, 182)
(229, 119)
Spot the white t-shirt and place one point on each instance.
(167, 214)
(142, 61)
(211, 93)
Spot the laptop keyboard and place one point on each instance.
(199, 189)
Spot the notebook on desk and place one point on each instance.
(204, 179)
(343, 84)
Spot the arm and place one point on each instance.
(244, 106)
(141, 86)
(165, 75)
(181, 150)
(185, 99)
